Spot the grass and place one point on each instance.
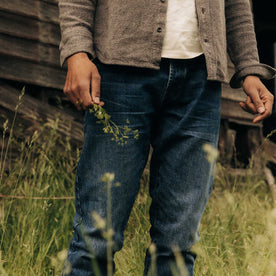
(238, 230)
(37, 225)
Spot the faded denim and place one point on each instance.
(177, 111)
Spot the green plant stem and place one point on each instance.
(120, 133)
(11, 135)
(109, 230)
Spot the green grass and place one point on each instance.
(238, 230)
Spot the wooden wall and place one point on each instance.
(29, 39)
(29, 55)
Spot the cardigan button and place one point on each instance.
(159, 29)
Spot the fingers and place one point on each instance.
(95, 87)
(78, 93)
(259, 99)
(249, 106)
(261, 117)
(268, 104)
(82, 85)
(71, 96)
(82, 90)
(254, 103)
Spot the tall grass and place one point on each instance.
(238, 234)
(37, 200)
(238, 230)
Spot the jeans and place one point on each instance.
(176, 111)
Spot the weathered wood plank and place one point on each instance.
(230, 109)
(49, 33)
(19, 26)
(42, 10)
(51, 1)
(232, 94)
(48, 11)
(29, 72)
(29, 28)
(29, 50)
(31, 109)
(27, 7)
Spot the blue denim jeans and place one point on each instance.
(177, 111)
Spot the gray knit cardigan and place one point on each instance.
(131, 32)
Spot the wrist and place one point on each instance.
(76, 57)
(248, 77)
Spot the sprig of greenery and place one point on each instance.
(120, 133)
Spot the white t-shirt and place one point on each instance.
(182, 36)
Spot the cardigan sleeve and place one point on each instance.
(241, 43)
(76, 24)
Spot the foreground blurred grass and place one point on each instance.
(238, 230)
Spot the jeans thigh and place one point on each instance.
(125, 101)
(128, 104)
(181, 175)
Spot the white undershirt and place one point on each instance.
(182, 36)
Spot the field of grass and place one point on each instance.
(238, 230)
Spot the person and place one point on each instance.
(159, 65)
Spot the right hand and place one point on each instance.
(82, 85)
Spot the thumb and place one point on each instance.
(255, 98)
(95, 87)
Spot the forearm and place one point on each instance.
(242, 45)
(241, 40)
(76, 24)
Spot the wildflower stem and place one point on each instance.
(3, 162)
(120, 133)
(109, 231)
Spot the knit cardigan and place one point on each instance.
(131, 32)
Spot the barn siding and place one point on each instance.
(29, 39)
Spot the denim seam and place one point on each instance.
(170, 79)
(157, 184)
(77, 196)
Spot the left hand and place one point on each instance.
(259, 99)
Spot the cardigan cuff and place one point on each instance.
(76, 46)
(263, 71)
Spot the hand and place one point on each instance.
(259, 99)
(82, 85)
